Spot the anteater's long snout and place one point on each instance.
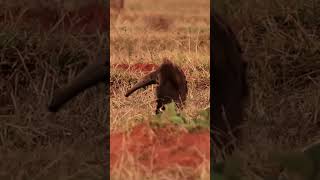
(90, 76)
(145, 81)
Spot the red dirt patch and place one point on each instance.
(160, 148)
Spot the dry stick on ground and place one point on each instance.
(172, 85)
(90, 76)
(230, 87)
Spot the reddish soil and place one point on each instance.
(160, 148)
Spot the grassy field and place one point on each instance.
(146, 32)
(281, 41)
(37, 55)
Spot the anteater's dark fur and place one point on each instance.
(229, 80)
(172, 85)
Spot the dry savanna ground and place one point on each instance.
(281, 41)
(147, 31)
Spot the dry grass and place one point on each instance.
(146, 31)
(281, 42)
(129, 169)
(36, 144)
(148, 34)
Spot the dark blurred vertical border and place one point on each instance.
(211, 90)
(107, 87)
(280, 41)
(40, 53)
